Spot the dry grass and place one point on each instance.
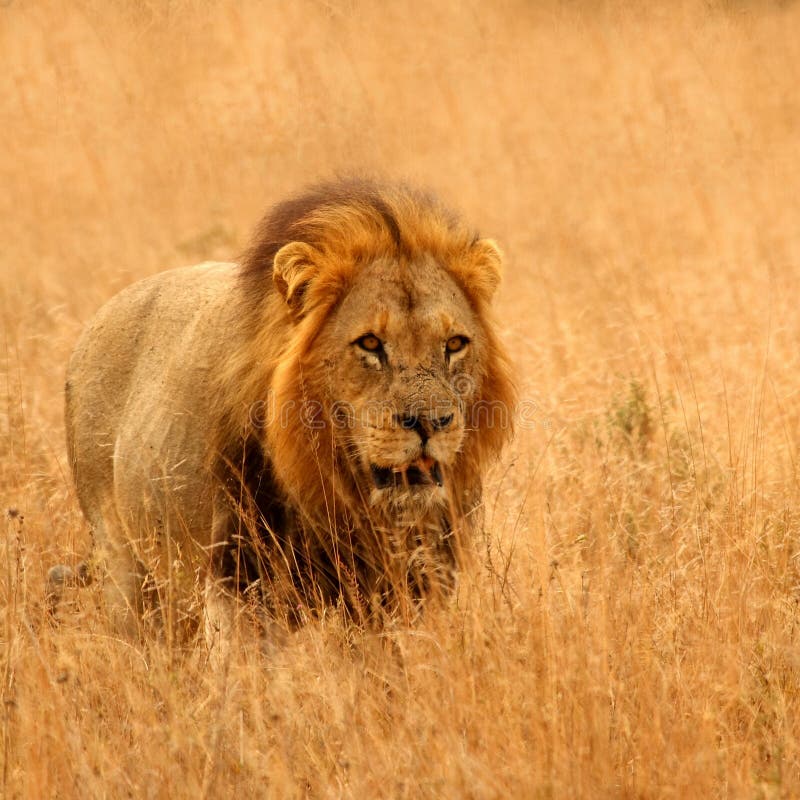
(633, 629)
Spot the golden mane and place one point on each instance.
(354, 220)
(340, 227)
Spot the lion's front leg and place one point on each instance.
(234, 612)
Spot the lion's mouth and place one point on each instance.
(424, 471)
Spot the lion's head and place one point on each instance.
(388, 390)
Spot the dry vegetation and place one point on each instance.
(633, 629)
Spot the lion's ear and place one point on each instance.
(293, 269)
(485, 268)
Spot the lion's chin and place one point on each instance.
(407, 507)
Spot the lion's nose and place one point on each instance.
(425, 425)
(442, 423)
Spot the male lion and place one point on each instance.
(307, 427)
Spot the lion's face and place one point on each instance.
(404, 354)
(382, 355)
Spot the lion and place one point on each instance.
(306, 428)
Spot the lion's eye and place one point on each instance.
(370, 342)
(456, 344)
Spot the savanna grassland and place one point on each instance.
(631, 627)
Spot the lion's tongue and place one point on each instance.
(424, 470)
(423, 463)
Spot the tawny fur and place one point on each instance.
(203, 412)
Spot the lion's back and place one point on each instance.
(138, 400)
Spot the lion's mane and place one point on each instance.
(347, 224)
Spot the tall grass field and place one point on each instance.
(631, 624)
